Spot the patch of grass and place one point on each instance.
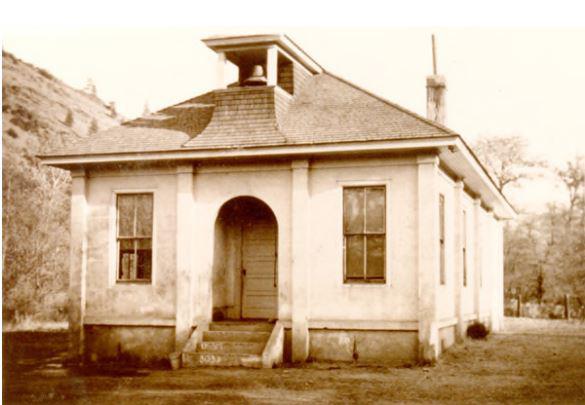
(508, 368)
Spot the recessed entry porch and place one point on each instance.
(245, 274)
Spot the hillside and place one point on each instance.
(39, 112)
(36, 106)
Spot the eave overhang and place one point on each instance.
(452, 151)
(291, 49)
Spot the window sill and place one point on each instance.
(364, 282)
(138, 282)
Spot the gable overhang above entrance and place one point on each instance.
(455, 156)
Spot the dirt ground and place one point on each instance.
(534, 362)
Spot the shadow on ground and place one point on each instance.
(517, 368)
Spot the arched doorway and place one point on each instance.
(245, 277)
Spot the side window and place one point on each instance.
(134, 236)
(364, 233)
(442, 238)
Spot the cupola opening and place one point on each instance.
(263, 60)
(257, 77)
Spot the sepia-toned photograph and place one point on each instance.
(202, 209)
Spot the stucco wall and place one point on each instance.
(486, 268)
(107, 299)
(329, 297)
(214, 185)
(467, 291)
(446, 292)
(446, 337)
(392, 305)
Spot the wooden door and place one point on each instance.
(259, 273)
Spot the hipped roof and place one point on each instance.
(327, 110)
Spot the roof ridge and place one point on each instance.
(392, 104)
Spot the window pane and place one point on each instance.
(353, 210)
(143, 214)
(375, 204)
(144, 257)
(354, 257)
(127, 259)
(125, 215)
(375, 257)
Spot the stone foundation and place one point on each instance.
(134, 344)
(447, 337)
(394, 348)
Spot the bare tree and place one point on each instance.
(573, 177)
(506, 158)
(93, 128)
(90, 87)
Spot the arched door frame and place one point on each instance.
(256, 298)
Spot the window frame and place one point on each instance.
(365, 185)
(442, 240)
(115, 240)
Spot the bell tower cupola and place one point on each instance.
(262, 60)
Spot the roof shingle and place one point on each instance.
(327, 109)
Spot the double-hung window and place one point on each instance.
(364, 233)
(134, 236)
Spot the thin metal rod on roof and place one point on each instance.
(434, 55)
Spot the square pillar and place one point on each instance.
(300, 259)
(498, 314)
(428, 256)
(77, 263)
(271, 66)
(184, 259)
(220, 70)
(492, 270)
(477, 254)
(459, 236)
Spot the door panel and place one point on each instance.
(259, 293)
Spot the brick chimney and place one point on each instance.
(436, 88)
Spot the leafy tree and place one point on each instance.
(545, 252)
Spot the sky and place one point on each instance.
(502, 79)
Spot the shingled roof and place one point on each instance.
(326, 110)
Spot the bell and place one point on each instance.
(257, 78)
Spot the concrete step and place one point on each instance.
(221, 360)
(235, 336)
(231, 347)
(241, 326)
